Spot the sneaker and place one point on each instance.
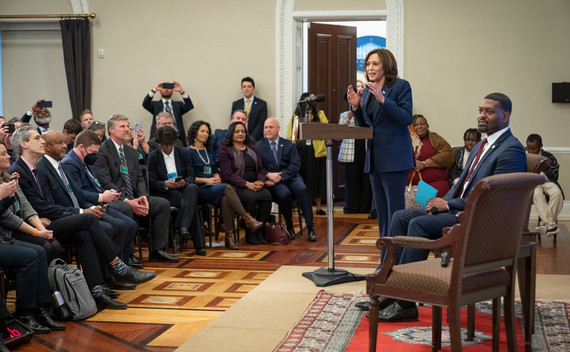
(552, 231)
(541, 229)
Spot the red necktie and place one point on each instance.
(479, 152)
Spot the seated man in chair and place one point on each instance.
(548, 211)
(281, 160)
(500, 152)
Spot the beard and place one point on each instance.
(43, 121)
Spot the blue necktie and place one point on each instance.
(125, 175)
(274, 150)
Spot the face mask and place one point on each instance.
(90, 159)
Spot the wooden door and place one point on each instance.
(332, 67)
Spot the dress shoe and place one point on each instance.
(229, 240)
(32, 323)
(135, 276)
(161, 256)
(201, 251)
(373, 214)
(134, 262)
(383, 302)
(109, 292)
(251, 238)
(321, 212)
(46, 320)
(394, 313)
(251, 223)
(183, 231)
(3, 347)
(114, 284)
(312, 236)
(103, 301)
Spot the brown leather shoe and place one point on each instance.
(251, 223)
(230, 244)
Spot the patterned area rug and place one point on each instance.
(333, 323)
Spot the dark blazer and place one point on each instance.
(457, 167)
(179, 108)
(506, 155)
(54, 185)
(157, 168)
(256, 118)
(289, 161)
(390, 149)
(77, 171)
(232, 169)
(217, 139)
(42, 201)
(108, 167)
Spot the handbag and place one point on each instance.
(410, 193)
(277, 234)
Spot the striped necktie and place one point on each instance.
(67, 186)
(125, 174)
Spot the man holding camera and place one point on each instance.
(41, 115)
(174, 108)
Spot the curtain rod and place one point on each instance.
(79, 15)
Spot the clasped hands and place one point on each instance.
(254, 186)
(273, 178)
(139, 205)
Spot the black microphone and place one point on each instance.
(317, 98)
(445, 257)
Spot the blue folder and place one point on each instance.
(424, 193)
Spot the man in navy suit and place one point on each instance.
(174, 108)
(282, 163)
(65, 192)
(254, 107)
(499, 153)
(220, 135)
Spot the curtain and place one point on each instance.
(76, 39)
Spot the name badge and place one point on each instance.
(308, 142)
(97, 182)
(17, 206)
(125, 170)
(207, 170)
(172, 175)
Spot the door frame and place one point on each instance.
(289, 46)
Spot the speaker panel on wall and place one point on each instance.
(561, 92)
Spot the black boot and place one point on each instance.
(251, 238)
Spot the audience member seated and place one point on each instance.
(86, 118)
(99, 129)
(433, 154)
(254, 107)
(71, 129)
(7, 136)
(96, 250)
(172, 177)
(174, 108)
(241, 167)
(79, 167)
(313, 154)
(282, 163)
(212, 190)
(41, 115)
(548, 198)
(117, 168)
(20, 221)
(352, 154)
(220, 134)
(64, 192)
(163, 119)
(470, 138)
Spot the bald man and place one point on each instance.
(282, 163)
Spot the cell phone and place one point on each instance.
(104, 205)
(168, 86)
(178, 179)
(138, 126)
(11, 128)
(46, 104)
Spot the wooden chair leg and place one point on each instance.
(510, 328)
(435, 328)
(496, 318)
(470, 322)
(453, 316)
(373, 324)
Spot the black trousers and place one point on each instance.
(29, 261)
(96, 249)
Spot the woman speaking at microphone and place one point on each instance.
(386, 106)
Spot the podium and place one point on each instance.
(329, 132)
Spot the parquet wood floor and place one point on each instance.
(188, 295)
